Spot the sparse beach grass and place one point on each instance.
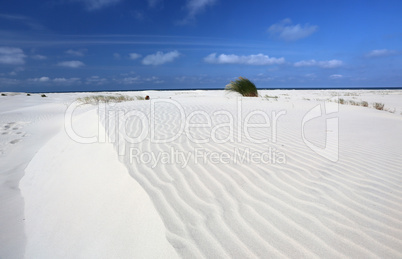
(270, 97)
(354, 103)
(378, 106)
(108, 98)
(350, 94)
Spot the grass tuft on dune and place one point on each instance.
(243, 86)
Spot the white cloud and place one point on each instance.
(139, 80)
(381, 53)
(311, 76)
(39, 57)
(134, 56)
(96, 80)
(286, 31)
(97, 4)
(195, 7)
(131, 80)
(138, 15)
(335, 76)
(23, 20)
(12, 56)
(58, 80)
(77, 53)
(324, 64)
(263, 79)
(71, 64)
(181, 78)
(40, 79)
(116, 55)
(9, 81)
(259, 59)
(44, 79)
(153, 3)
(160, 58)
(63, 80)
(154, 79)
(306, 63)
(331, 63)
(16, 71)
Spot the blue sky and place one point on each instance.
(85, 45)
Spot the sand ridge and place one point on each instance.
(306, 207)
(196, 175)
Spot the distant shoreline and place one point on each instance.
(214, 89)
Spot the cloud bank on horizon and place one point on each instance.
(122, 45)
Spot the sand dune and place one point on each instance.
(104, 213)
(191, 174)
(305, 207)
(25, 126)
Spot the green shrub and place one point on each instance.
(341, 101)
(364, 104)
(43, 95)
(3, 95)
(243, 86)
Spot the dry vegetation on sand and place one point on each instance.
(108, 98)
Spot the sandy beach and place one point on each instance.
(202, 174)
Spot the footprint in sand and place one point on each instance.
(15, 141)
(8, 125)
(12, 128)
(8, 130)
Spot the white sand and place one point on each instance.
(104, 213)
(26, 123)
(122, 200)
